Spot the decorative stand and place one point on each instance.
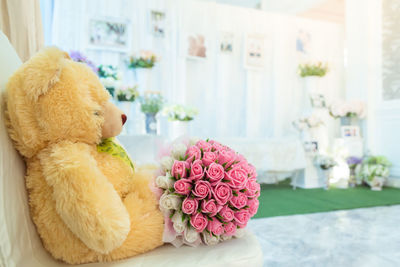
(179, 128)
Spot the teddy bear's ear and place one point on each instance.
(42, 71)
(24, 87)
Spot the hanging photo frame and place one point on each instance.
(157, 23)
(254, 51)
(106, 33)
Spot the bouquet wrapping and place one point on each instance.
(208, 193)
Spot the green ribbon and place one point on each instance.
(109, 146)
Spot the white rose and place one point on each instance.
(239, 233)
(193, 141)
(178, 224)
(210, 240)
(164, 182)
(225, 237)
(166, 163)
(178, 151)
(170, 202)
(191, 235)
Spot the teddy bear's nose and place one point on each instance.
(124, 118)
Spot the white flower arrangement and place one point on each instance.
(375, 166)
(179, 112)
(353, 108)
(305, 123)
(324, 162)
(110, 77)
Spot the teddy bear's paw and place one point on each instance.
(109, 235)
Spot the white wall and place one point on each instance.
(233, 101)
(364, 78)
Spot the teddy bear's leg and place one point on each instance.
(146, 227)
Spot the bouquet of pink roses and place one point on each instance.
(209, 193)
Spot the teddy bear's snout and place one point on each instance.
(124, 118)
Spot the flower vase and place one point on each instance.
(179, 128)
(352, 177)
(323, 176)
(310, 87)
(349, 121)
(377, 183)
(151, 123)
(143, 77)
(126, 107)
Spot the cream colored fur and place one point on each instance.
(87, 206)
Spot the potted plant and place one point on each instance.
(318, 69)
(126, 95)
(374, 171)
(150, 104)
(141, 65)
(348, 111)
(180, 116)
(79, 57)
(325, 164)
(354, 164)
(305, 125)
(110, 77)
(311, 74)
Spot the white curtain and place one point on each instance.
(21, 22)
(233, 101)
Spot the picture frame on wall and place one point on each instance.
(226, 43)
(107, 33)
(350, 131)
(254, 51)
(196, 46)
(157, 23)
(303, 42)
(311, 147)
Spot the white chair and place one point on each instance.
(20, 245)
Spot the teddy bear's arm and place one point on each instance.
(85, 200)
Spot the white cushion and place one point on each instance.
(20, 245)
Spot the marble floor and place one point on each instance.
(359, 237)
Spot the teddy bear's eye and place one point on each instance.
(97, 113)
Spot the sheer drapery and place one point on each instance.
(233, 101)
(21, 22)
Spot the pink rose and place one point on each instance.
(215, 227)
(226, 157)
(226, 213)
(203, 145)
(251, 171)
(209, 157)
(239, 201)
(238, 178)
(215, 172)
(199, 222)
(196, 170)
(253, 206)
(242, 217)
(202, 189)
(230, 229)
(222, 193)
(252, 188)
(189, 205)
(193, 153)
(209, 207)
(179, 169)
(182, 186)
(215, 146)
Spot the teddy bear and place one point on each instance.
(88, 201)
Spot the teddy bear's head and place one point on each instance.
(51, 98)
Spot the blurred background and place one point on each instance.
(307, 90)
